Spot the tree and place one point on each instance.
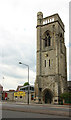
(66, 97)
(26, 83)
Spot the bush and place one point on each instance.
(66, 96)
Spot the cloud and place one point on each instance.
(18, 20)
(16, 75)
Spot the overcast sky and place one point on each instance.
(18, 20)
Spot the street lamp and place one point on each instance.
(28, 78)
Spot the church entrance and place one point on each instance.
(47, 96)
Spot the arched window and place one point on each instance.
(49, 62)
(47, 40)
(45, 63)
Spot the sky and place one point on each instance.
(18, 20)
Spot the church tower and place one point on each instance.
(51, 73)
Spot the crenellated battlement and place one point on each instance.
(49, 19)
(53, 18)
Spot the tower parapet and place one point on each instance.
(53, 18)
(48, 20)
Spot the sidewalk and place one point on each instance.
(62, 110)
(34, 104)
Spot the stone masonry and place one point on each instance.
(51, 73)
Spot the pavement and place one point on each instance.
(62, 110)
(17, 114)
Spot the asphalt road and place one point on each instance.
(37, 106)
(32, 109)
(17, 114)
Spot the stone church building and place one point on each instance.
(51, 73)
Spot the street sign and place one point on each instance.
(19, 94)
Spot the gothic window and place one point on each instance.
(45, 63)
(49, 62)
(47, 40)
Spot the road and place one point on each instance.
(17, 114)
(35, 110)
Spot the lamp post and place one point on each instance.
(28, 79)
